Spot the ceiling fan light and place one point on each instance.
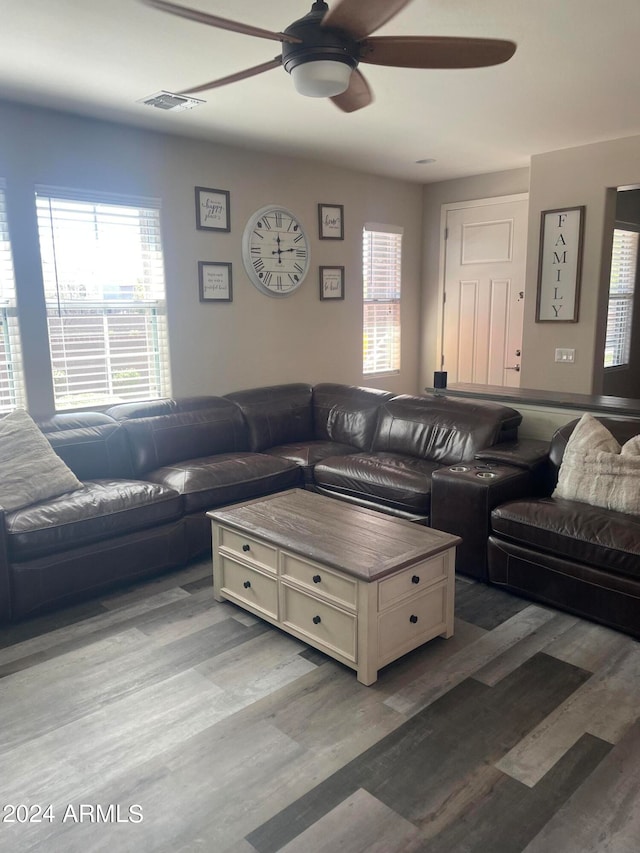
(322, 78)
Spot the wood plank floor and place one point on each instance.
(160, 720)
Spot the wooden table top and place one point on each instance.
(358, 541)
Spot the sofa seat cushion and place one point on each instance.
(227, 477)
(604, 539)
(101, 509)
(307, 454)
(395, 480)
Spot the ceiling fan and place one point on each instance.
(322, 50)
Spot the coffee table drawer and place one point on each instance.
(408, 625)
(411, 581)
(252, 550)
(249, 586)
(320, 580)
(319, 621)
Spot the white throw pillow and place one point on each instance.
(30, 469)
(597, 471)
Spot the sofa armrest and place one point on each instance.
(526, 453)
(462, 497)
(529, 454)
(5, 582)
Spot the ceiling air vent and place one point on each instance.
(169, 101)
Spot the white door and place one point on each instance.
(484, 274)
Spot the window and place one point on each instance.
(624, 259)
(11, 377)
(104, 288)
(382, 272)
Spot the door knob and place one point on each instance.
(516, 368)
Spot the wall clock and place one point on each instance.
(275, 251)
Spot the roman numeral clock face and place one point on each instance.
(275, 251)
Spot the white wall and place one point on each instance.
(215, 348)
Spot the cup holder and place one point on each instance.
(459, 468)
(486, 475)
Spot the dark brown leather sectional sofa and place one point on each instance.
(578, 557)
(151, 470)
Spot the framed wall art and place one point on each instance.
(331, 221)
(215, 281)
(213, 209)
(331, 282)
(560, 265)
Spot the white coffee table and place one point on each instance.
(361, 586)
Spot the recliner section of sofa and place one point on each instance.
(200, 448)
(115, 528)
(413, 438)
(570, 554)
(151, 470)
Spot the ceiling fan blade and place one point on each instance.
(233, 78)
(435, 51)
(220, 23)
(357, 96)
(362, 17)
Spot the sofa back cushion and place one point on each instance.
(275, 415)
(347, 414)
(92, 444)
(169, 431)
(442, 429)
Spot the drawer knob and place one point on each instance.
(415, 579)
(246, 547)
(246, 584)
(413, 619)
(317, 620)
(317, 578)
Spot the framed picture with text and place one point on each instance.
(215, 281)
(331, 282)
(560, 265)
(331, 221)
(213, 209)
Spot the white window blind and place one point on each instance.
(382, 275)
(103, 273)
(11, 376)
(624, 260)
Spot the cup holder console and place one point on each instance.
(484, 474)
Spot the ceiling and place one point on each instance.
(574, 80)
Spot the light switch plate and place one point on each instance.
(567, 356)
